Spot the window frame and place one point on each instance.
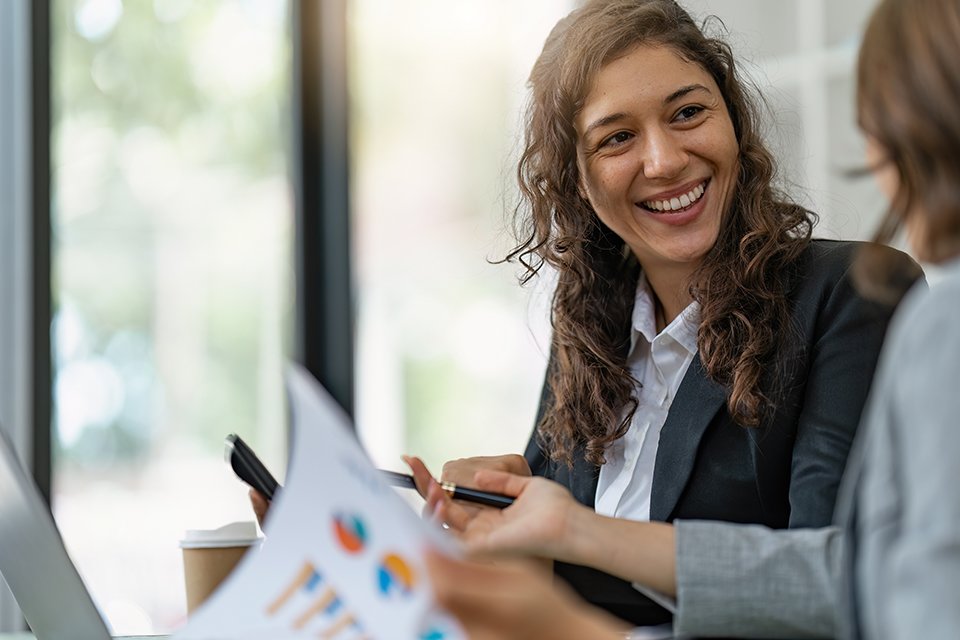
(26, 392)
(320, 176)
(319, 160)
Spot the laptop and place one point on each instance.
(35, 563)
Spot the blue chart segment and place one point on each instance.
(437, 627)
(395, 576)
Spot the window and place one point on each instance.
(802, 54)
(172, 220)
(450, 350)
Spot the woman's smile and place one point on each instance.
(671, 202)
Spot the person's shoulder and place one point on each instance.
(827, 260)
(839, 255)
(919, 353)
(829, 263)
(931, 311)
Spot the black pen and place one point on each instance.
(497, 500)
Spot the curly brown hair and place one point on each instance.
(740, 284)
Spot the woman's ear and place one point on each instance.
(582, 189)
(581, 183)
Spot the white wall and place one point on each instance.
(802, 53)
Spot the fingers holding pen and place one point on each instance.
(421, 475)
(503, 482)
(533, 525)
(439, 506)
(428, 488)
(462, 470)
(454, 515)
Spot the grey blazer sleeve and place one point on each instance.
(750, 581)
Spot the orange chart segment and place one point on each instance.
(350, 532)
(395, 576)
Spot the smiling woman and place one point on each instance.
(658, 162)
(709, 360)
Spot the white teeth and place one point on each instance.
(674, 204)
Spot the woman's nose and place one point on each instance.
(663, 156)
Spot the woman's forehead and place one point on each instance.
(645, 76)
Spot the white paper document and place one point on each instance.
(343, 555)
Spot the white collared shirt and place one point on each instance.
(659, 363)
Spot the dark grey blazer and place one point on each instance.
(782, 474)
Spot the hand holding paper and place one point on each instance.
(344, 555)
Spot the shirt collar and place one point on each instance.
(683, 329)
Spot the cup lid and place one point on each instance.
(235, 534)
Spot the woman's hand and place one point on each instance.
(427, 486)
(261, 506)
(514, 601)
(460, 472)
(463, 470)
(543, 520)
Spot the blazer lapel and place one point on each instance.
(698, 400)
(583, 478)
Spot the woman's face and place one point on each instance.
(884, 171)
(657, 155)
(888, 179)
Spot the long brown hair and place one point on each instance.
(908, 92)
(740, 285)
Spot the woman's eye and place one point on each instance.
(616, 139)
(688, 113)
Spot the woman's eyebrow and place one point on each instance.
(682, 91)
(602, 122)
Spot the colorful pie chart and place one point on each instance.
(350, 532)
(395, 576)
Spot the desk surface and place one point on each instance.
(30, 636)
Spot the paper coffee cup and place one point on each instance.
(209, 555)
